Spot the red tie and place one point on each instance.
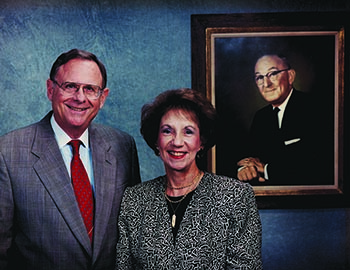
(82, 188)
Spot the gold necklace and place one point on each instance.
(167, 197)
(173, 218)
(192, 182)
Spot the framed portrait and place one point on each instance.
(310, 169)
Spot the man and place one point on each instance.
(283, 150)
(42, 222)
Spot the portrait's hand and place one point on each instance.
(250, 168)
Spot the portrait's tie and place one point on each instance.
(275, 112)
(82, 188)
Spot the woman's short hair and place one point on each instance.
(184, 99)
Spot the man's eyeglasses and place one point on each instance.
(272, 76)
(91, 91)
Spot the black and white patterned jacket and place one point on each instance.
(221, 228)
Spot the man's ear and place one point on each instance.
(49, 89)
(103, 97)
(291, 76)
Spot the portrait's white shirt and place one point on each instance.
(282, 108)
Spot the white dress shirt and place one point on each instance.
(66, 150)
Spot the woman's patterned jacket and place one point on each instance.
(221, 228)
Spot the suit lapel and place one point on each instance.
(164, 232)
(188, 228)
(294, 108)
(54, 176)
(293, 119)
(105, 185)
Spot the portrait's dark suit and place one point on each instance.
(294, 153)
(37, 197)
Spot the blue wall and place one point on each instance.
(146, 47)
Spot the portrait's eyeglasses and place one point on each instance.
(91, 91)
(272, 76)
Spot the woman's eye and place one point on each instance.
(166, 130)
(189, 132)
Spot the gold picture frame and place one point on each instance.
(225, 44)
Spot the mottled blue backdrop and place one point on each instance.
(146, 47)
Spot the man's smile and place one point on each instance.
(76, 108)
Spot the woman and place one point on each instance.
(186, 219)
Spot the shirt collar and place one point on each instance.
(282, 107)
(62, 137)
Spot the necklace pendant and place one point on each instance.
(173, 221)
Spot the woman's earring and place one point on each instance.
(200, 153)
(157, 152)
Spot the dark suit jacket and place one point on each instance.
(40, 223)
(295, 154)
